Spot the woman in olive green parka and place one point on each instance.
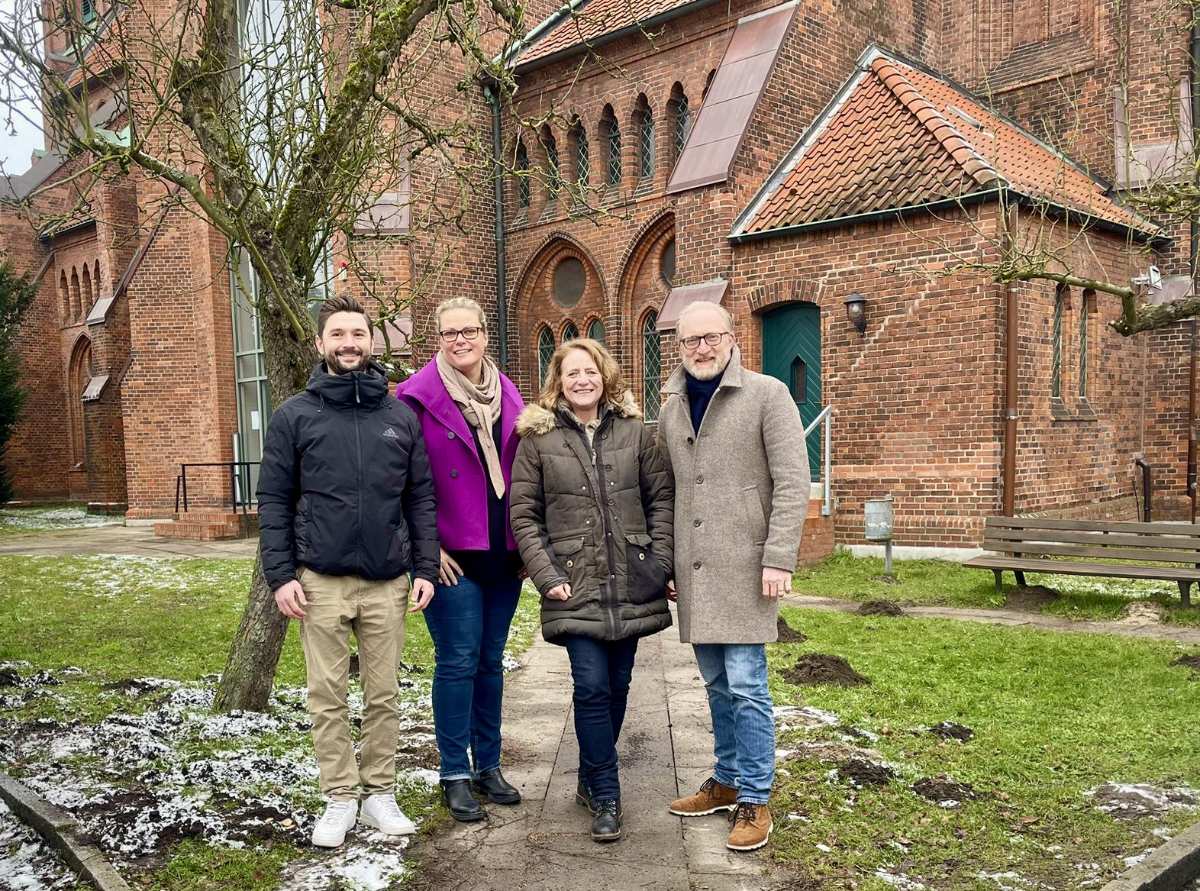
(592, 512)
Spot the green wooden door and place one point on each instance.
(791, 338)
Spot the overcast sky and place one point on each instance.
(18, 137)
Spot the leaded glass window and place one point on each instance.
(651, 366)
(523, 192)
(612, 137)
(1056, 345)
(570, 332)
(680, 121)
(596, 331)
(553, 170)
(645, 143)
(1084, 307)
(583, 161)
(545, 353)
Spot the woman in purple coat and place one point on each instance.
(468, 410)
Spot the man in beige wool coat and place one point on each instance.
(736, 446)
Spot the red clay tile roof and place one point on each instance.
(900, 137)
(591, 20)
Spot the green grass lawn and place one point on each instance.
(945, 583)
(118, 618)
(1053, 716)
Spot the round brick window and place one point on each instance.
(570, 279)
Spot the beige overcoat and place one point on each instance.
(741, 495)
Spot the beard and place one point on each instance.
(708, 372)
(345, 361)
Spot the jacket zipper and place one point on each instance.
(359, 497)
(610, 618)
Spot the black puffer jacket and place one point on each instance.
(605, 528)
(345, 486)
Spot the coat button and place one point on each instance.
(696, 565)
(449, 434)
(570, 563)
(583, 488)
(641, 556)
(453, 474)
(690, 440)
(695, 522)
(699, 479)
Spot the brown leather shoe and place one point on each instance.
(750, 826)
(711, 798)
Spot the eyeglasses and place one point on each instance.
(713, 338)
(451, 334)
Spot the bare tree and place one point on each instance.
(281, 122)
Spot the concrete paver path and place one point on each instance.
(117, 539)
(544, 843)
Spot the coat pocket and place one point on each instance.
(645, 576)
(568, 559)
(756, 519)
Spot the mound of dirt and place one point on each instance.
(1131, 800)
(788, 634)
(820, 668)
(9, 677)
(950, 730)
(860, 772)
(1191, 661)
(880, 608)
(1031, 598)
(943, 789)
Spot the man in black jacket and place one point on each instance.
(346, 510)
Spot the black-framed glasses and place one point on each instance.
(713, 338)
(451, 334)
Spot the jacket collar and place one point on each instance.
(732, 376)
(536, 420)
(426, 387)
(366, 388)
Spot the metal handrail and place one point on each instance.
(825, 418)
(234, 468)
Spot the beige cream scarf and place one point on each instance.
(480, 406)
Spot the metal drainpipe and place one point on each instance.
(1009, 471)
(493, 98)
(1193, 257)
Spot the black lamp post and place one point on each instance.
(856, 312)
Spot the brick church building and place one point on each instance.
(839, 175)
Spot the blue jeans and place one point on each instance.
(601, 670)
(469, 626)
(743, 717)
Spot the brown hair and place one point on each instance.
(610, 372)
(339, 303)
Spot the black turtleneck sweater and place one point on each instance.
(700, 394)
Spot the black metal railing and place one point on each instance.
(239, 473)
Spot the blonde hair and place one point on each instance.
(610, 372)
(459, 303)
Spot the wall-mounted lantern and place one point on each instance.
(856, 312)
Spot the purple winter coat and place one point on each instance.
(459, 477)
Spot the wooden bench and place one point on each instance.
(1027, 544)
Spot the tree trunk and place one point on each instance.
(250, 670)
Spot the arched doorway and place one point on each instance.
(791, 344)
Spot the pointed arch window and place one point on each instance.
(651, 366)
(545, 351)
(677, 110)
(1061, 295)
(580, 153)
(596, 331)
(570, 331)
(554, 179)
(522, 164)
(645, 125)
(1085, 309)
(610, 133)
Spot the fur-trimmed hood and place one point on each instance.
(535, 420)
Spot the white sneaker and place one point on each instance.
(382, 812)
(338, 819)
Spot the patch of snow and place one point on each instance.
(903, 882)
(1142, 799)
(1137, 858)
(26, 864)
(422, 775)
(373, 867)
(509, 663)
(35, 518)
(1010, 881)
(791, 716)
(824, 849)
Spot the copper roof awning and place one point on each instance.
(685, 295)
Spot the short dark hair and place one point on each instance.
(339, 303)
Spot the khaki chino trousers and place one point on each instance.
(375, 612)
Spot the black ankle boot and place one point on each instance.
(606, 820)
(583, 797)
(461, 803)
(492, 786)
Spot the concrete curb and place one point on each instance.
(62, 833)
(1168, 868)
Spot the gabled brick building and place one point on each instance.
(769, 157)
